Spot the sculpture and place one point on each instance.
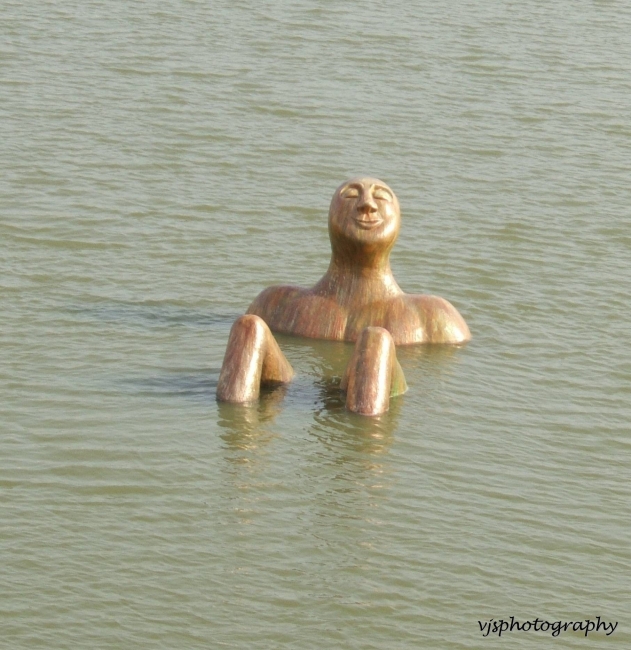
(357, 300)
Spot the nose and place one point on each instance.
(367, 204)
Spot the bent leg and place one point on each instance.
(252, 358)
(373, 374)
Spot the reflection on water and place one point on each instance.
(347, 442)
(319, 366)
(338, 458)
(243, 423)
(339, 429)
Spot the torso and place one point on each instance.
(409, 318)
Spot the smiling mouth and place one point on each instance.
(367, 224)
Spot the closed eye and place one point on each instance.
(382, 194)
(351, 193)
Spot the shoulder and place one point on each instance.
(438, 319)
(272, 299)
(294, 310)
(278, 292)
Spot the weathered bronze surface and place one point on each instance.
(373, 373)
(357, 299)
(252, 359)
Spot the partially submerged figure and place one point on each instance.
(357, 299)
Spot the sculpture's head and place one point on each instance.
(364, 215)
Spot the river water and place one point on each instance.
(162, 163)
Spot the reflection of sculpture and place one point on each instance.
(358, 299)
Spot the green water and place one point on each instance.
(161, 163)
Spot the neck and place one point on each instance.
(356, 283)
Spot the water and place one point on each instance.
(161, 165)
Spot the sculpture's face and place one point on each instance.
(365, 210)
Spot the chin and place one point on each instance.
(373, 243)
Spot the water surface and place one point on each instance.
(160, 166)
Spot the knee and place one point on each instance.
(250, 327)
(376, 336)
(250, 321)
(379, 332)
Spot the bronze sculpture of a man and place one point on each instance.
(356, 300)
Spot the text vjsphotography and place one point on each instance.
(500, 626)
